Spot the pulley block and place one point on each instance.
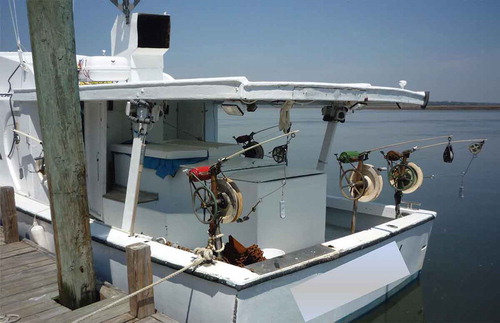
(476, 147)
(279, 153)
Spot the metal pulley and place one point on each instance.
(406, 178)
(279, 153)
(476, 147)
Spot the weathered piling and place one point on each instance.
(9, 215)
(54, 59)
(140, 274)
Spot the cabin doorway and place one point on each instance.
(95, 125)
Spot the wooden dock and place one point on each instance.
(28, 290)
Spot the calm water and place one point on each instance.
(460, 281)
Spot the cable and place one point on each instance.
(15, 25)
(15, 138)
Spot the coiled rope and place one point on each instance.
(204, 255)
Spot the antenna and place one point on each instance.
(125, 7)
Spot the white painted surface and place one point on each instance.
(95, 120)
(350, 281)
(133, 186)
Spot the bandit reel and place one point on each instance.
(226, 205)
(374, 182)
(352, 184)
(230, 200)
(247, 141)
(406, 177)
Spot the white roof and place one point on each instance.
(239, 88)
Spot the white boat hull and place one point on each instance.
(205, 297)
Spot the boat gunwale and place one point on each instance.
(427, 216)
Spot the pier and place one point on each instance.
(29, 291)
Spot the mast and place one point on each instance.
(54, 58)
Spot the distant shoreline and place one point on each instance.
(475, 107)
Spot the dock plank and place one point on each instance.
(164, 318)
(28, 273)
(21, 260)
(9, 254)
(37, 263)
(50, 289)
(21, 286)
(12, 246)
(46, 315)
(29, 306)
(148, 319)
(126, 317)
(110, 313)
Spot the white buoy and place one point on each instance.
(37, 234)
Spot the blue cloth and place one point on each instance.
(166, 167)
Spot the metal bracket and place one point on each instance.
(125, 7)
(334, 113)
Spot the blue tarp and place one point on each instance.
(166, 167)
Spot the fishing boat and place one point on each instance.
(153, 159)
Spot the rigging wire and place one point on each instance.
(15, 138)
(15, 25)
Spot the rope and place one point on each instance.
(205, 255)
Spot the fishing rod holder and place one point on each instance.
(142, 111)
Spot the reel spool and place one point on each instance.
(231, 204)
(406, 178)
(352, 184)
(374, 182)
(257, 152)
(279, 153)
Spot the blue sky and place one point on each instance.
(450, 48)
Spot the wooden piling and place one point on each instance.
(54, 59)
(9, 215)
(140, 274)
